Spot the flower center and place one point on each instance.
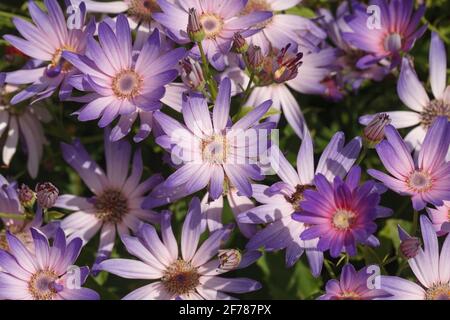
(212, 25)
(215, 149)
(438, 292)
(180, 278)
(350, 295)
(127, 84)
(393, 42)
(419, 181)
(343, 219)
(40, 285)
(257, 5)
(111, 206)
(297, 197)
(434, 109)
(58, 65)
(142, 10)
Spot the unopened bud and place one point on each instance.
(46, 194)
(287, 65)
(255, 58)
(374, 131)
(229, 259)
(410, 247)
(239, 43)
(192, 74)
(194, 28)
(26, 196)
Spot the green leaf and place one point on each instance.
(53, 215)
(390, 230)
(301, 11)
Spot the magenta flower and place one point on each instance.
(341, 214)
(353, 285)
(192, 274)
(116, 204)
(441, 218)
(212, 152)
(280, 201)
(220, 20)
(388, 35)
(45, 41)
(425, 179)
(413, 94)
(121, 84)
(46, 274)
(430, 268)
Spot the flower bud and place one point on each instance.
(229, 259)
(192, 74)
(288, 65)
(410, 247)
(194, 28)
(26, 196)
(374, 131)
(255, 59)
(239, 43)
(46, 194)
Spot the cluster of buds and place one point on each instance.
(374, 132)
(46, 194)
(192, 74)
(255, 59)
(410, 247)
(194, 28)
(229, 259)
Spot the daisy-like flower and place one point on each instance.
(116, 204)
(426, 179)
(12, 202)
(440, 216)
(220, 20)
(413, 94)
(45, 41)
(192, 275)
(47, 273)
(342, 213)
(21, 121)
(280, 201)
(282, 29)
(138, 12)
(279, 73)
(387, 35)
(353, 285)
(120, 83)
(213, 152)
(431, 269)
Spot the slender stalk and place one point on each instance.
(362, 155)
(415, 223)
(206, 71)
(329, 268)
(248, 90)
(13, 216)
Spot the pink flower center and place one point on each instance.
(127, 84)
(433, 110)
(419, 181)
(349, 295)
(180, 278)
(41, 283)
(343, 219)
(212, 25)
(440, 291)
(111, 206)
(393, 42)
(215, 149)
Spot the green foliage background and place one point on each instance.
(324, 118)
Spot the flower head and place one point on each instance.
(425, 179)
(46, 40)
(440, 216)
(47, 273)
(121, 84)
(189, 273)
(118, 195)
(430, 268)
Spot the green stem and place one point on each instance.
(249, 87)
(415, 223)
(362, 155)
(434, 29)
(13, 216)
(205, 66)
(329, 268)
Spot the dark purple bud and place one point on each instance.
(374, 131)
(46, 194)
(410, 247)
(26, 195)
(255, 58)
(239, 43)
(194, 28)
(192, 74)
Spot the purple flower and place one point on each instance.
(220, 20)
(45, 42)
(353, 285)
(426, 179)
(121, 84)
(282, 29)
(441, 218)
(212, 152)
(431, 269)
(341, 214)
(116, 206)
(413, 94)
(283, 199)
(22, 122)
(47, 273)
(385, 34)
(193, 273)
